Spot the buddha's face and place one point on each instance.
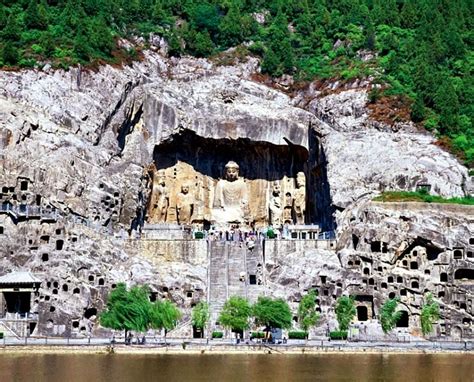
(276, 189)
(185, 189)
(231, 173)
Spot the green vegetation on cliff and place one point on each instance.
(420, 196)
(421, 49)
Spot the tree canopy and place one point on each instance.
(236, 313)
(388, 314)
(421, 50)
(345, 311)
(307, 313)
(200, 315)
(272, 313)
(429, 314)
(132, 310)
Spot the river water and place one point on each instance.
(236, 367)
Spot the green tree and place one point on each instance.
(10, 55)
(127, 309)
(345, 311)
(12, 30)
(429, 314)
(388, 314)
(164, 315)
(307, 314)
(235, 313)
(272, 313)
(36, 16)
(200, 315)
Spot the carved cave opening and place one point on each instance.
(404, 320)
(188, 170)
(464, 274)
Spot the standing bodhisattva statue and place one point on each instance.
(230, 197)
(159, 201)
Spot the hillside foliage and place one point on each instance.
(421, 50)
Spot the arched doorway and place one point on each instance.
(362, 313)
(403, 321)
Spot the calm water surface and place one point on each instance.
(274, 368)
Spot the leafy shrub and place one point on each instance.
(217, 334)
(199, 235)
(297, 335)
(257, 335)
(338, 335)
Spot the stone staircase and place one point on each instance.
(230, 260)
(217, 278)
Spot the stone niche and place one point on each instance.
(188, 177)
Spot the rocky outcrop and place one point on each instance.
(75, 153)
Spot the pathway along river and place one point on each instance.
(236, 367)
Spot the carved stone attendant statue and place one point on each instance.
(184, 205)
(230, 197)
(288, 209)
(159, 201)
(276, 210)
(300, 198)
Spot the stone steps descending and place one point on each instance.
(228, 261)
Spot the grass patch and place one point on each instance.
(420, 196)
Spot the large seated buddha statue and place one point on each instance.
(230, 198)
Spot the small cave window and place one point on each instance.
(441, 294)
(362, 313)
(350, 263)
(357, 262)
(55, 291)
(375, 246)
(414, 265)
(153, 296)
(390, 279)
(91, 277)
(355, 241)
(101, 281)
(55, 284)
(58, 231)
(48, 284)
(427, 272)
(471, 241)
(384, 247)
(44, 239)
(415, 285)
(2, 230)
(59, 245)
(458, 254)
(189, 294)
(65, 288)
(405, 263)
(443, 277)
(466, 321)
(75, 324)
(469, 254)
(45, 257)
(113, 286)
(462, 305)
(403, 292)
(76, 291)
(384, 285)
(90, 312)
(371, 281)
(52, 309)
(24, 185)
(252, 279)
(323, 279)
(366, 271)
(165, 289)
(464, 274)
(391, 295)
(325, 292)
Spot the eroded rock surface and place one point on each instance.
(75, 154)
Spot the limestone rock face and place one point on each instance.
(79, 151)
(365, 157)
